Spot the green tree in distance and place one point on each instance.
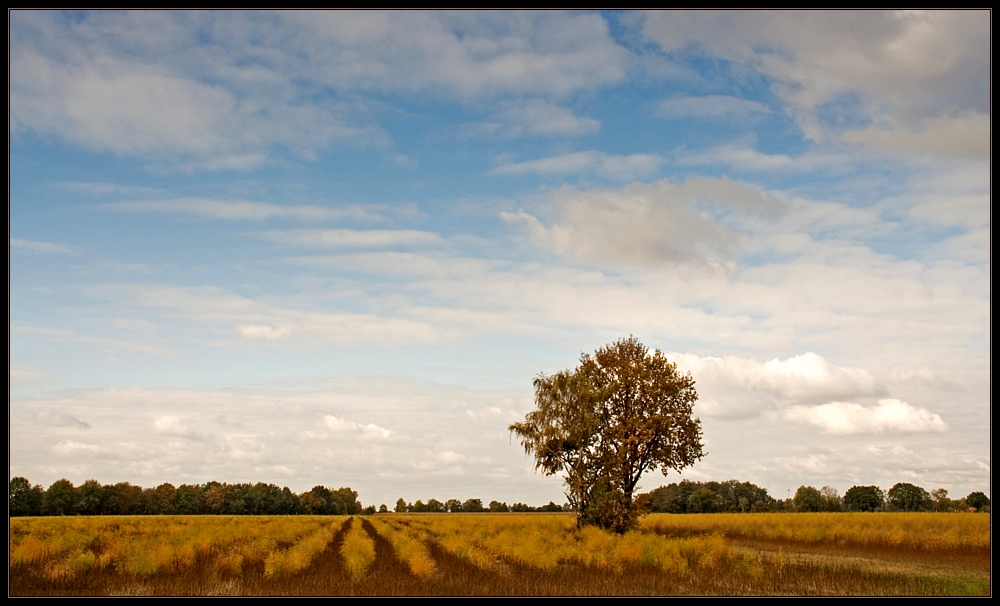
(808, 499)
(622, 412)
(978, 500)
(864, 498)
(907, 497)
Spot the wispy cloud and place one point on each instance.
(244, 210)
(352, 238)
(34, 247)
(619, 168)
(709, 107)
(78, 337)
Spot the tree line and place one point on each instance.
(123, 498)
(470, 506)
(733, 496)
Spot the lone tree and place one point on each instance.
(622, 412)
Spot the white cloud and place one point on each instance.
(648, 224)
(262, 322)
(102, 188)
(243, 210)
(173, 426)
(34, 247)
(620, 168)
(22, 375)
(70, 447)
(225, 91)
(352, 238)
(743, 158)
(539, 117)
(263, 331)
(889, 416)
(964, 136)
(462, 54)
(902, 67)
(73, 336)
(709, 107)
(808, 376)
(343, 427)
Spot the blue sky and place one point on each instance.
(336, 248)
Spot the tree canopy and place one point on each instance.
(622, 412)
(907, 497)
(864, 498)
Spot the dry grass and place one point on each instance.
(502, 554)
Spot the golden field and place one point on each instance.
(502, 554)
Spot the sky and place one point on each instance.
(337, 248)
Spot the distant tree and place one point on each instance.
(435, 506)
(978, 500)
(831, 500)
(400, 506)
(59, 499)
(704, 500)
(369, 511)
(239, 499)
(453, 506)
(418, 507)
(497, 507)
(90, 498)
(289, 503)
(472, 505)
(344, 502)
(189, 500)
(165, 495)
(520, 508)
(122, 499)
(907, 497)
(25, 499)
(864, 498)
(215, 497)
(939, 496)
(312, 504)
(383, 509)
(808, 499)
(264, 499)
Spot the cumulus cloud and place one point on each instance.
(243, 210)
(173, 426)
(263, 331)
(889, 416)
(619, 168)
(962, 136)
(808, 376)
(342, 427)
(900, 67)
(648, 224)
